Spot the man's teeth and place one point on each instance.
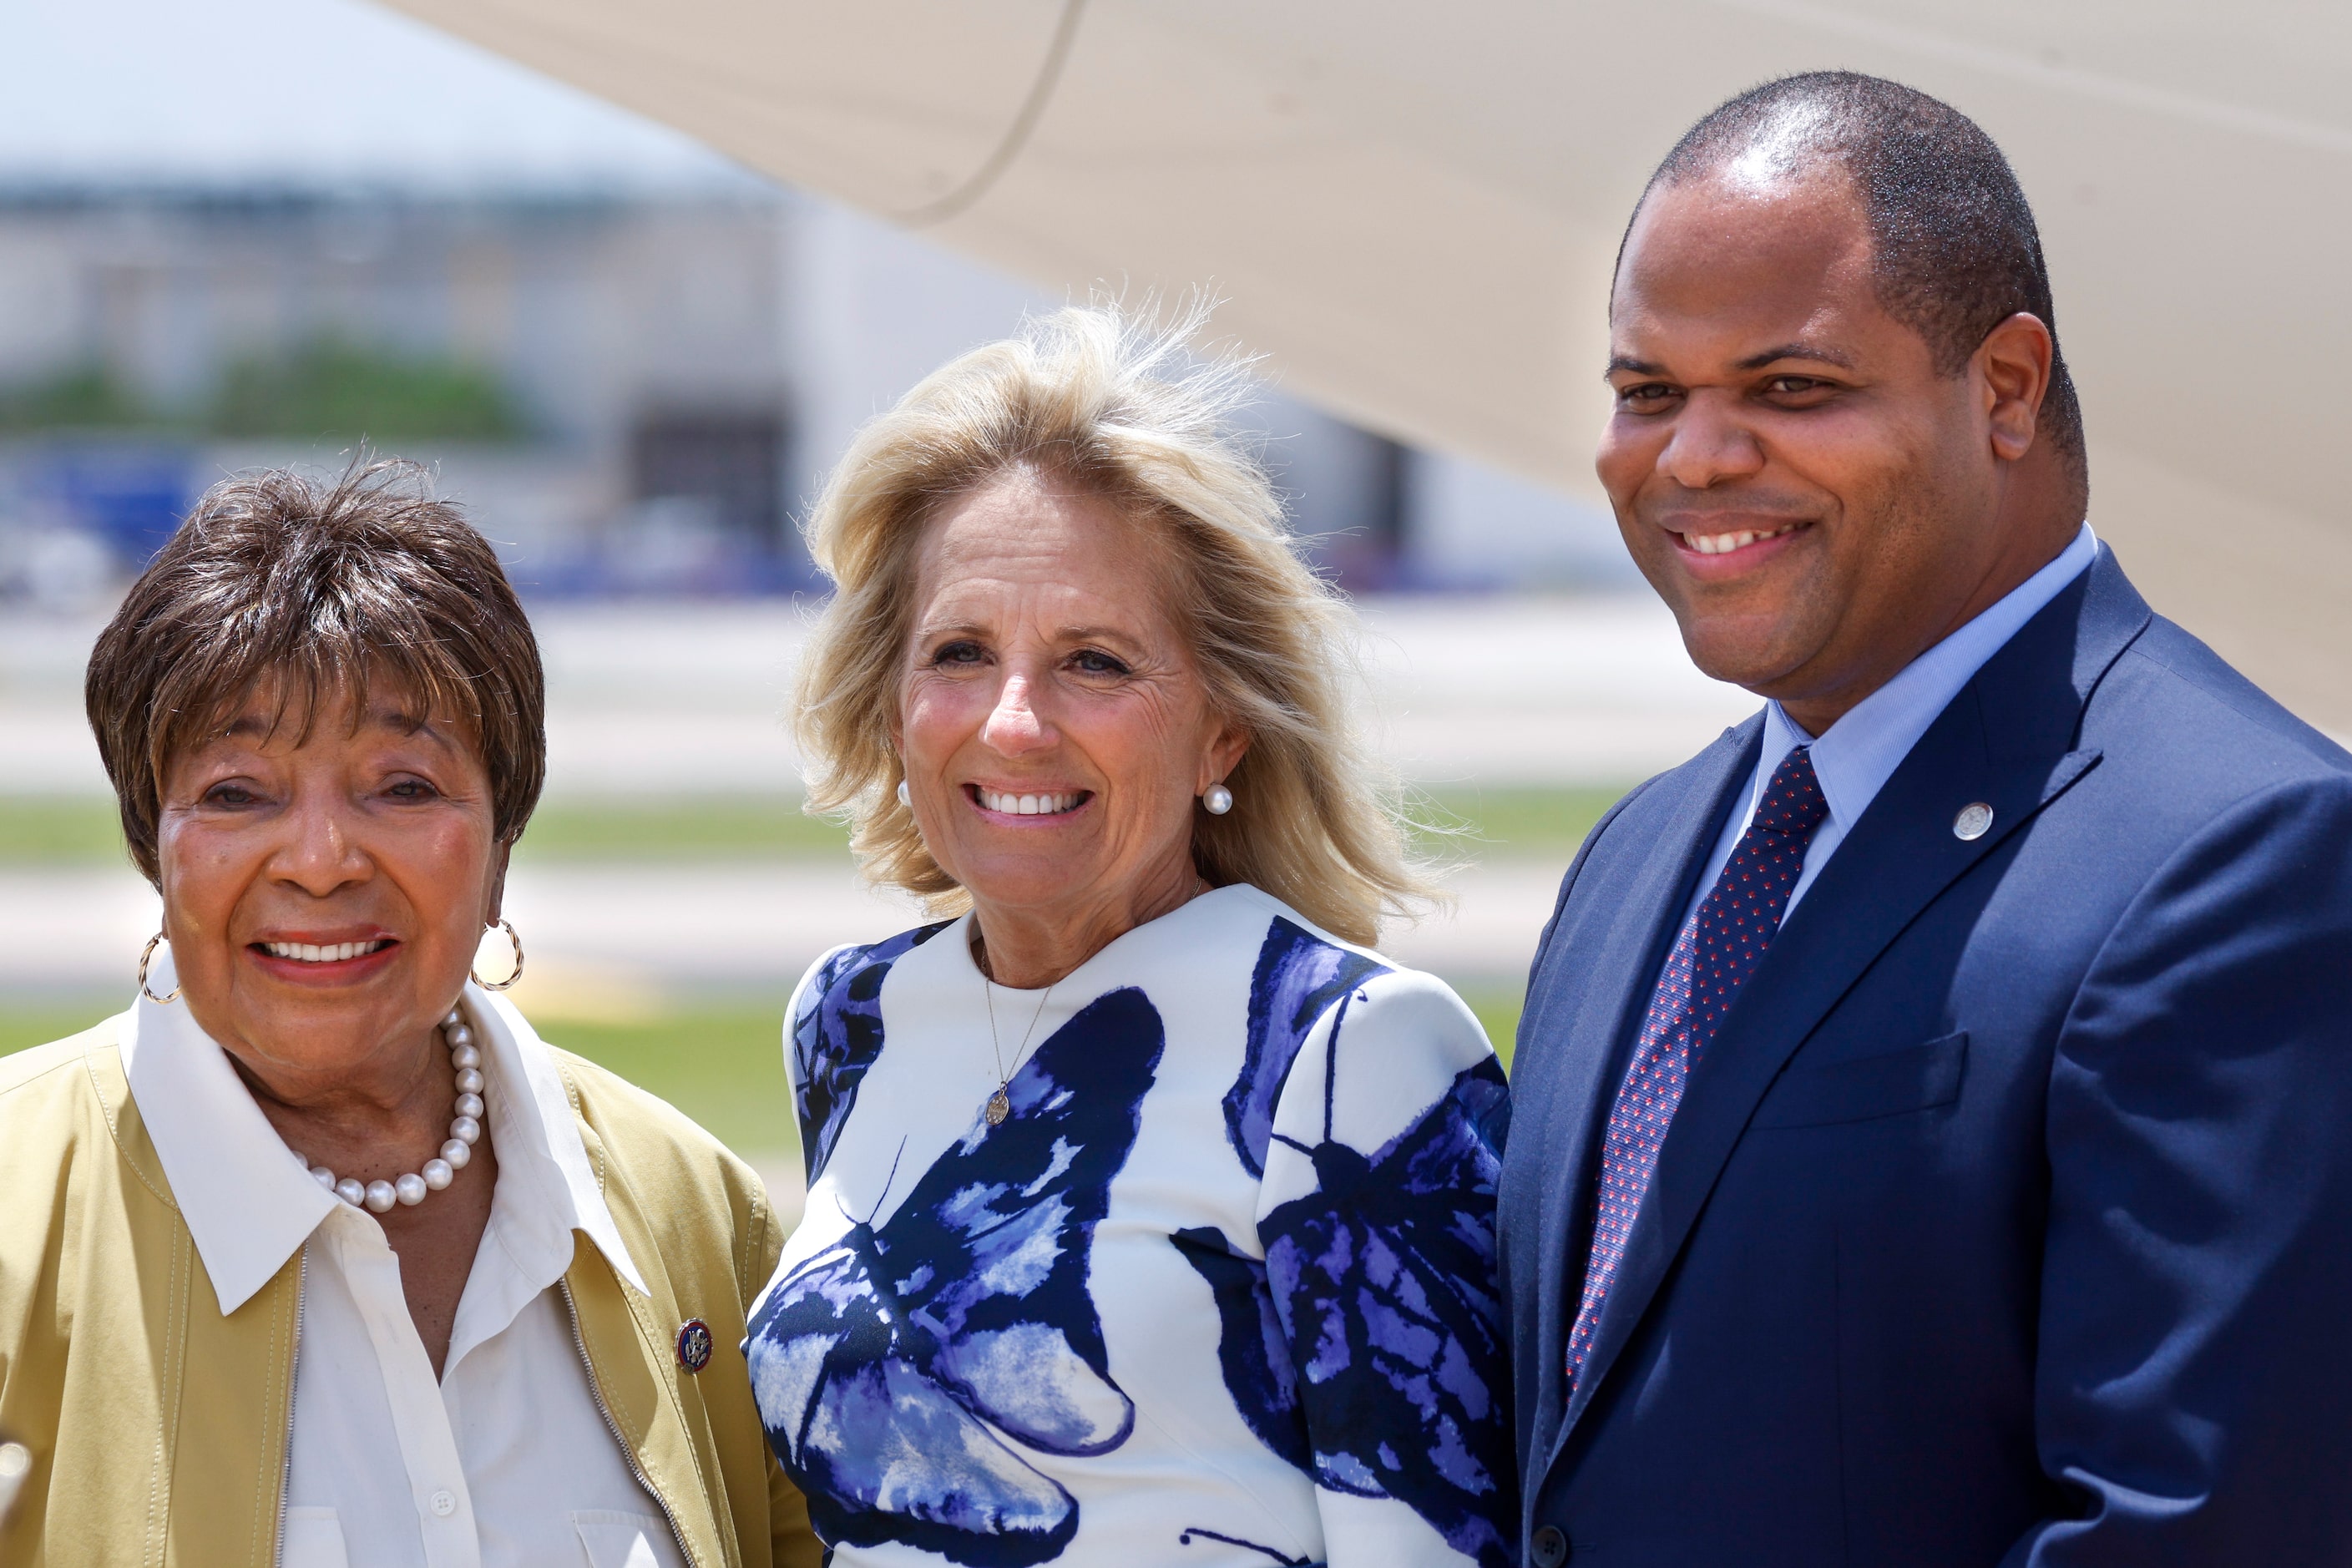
(1029, 804)
(315, 953)
(1725, 543)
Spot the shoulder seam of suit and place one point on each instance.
(1584, 851)
(2223, 697)
(1576, 867)
(1611, 815)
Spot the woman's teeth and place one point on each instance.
(1725, 543)
(330, 953)
(1029, 804)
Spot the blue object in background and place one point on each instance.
(132, 494)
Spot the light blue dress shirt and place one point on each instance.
(1861, 751)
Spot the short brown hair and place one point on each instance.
(324, 587)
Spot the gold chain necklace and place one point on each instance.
(1000, 1104)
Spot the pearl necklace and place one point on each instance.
(463, 1128)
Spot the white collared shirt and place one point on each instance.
(1855, 757)
(506, 1460)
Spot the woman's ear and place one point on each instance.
(1223, 754)
(494, 906)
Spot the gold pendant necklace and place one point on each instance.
(1000, 1104)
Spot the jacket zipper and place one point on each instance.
(293, 1370)
(628, 1454)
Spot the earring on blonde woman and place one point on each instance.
(509, 981)
(146, 955)
(1216, 800)
(904, 798)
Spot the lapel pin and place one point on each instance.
(694, 1345)
(1975, 818)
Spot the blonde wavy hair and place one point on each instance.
(1108, 402)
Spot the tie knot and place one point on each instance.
(1794, 802)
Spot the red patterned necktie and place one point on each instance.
(1714, 956)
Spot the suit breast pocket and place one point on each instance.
(1893, 1083)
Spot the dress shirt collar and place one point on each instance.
(1860, 752)
(249, 1204)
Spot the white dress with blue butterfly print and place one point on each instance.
(1219, 1292)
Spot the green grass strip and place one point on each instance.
(723, 1065)
(1473, 824)
(60, 830)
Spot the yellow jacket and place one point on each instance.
(159, 1426)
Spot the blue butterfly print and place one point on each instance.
(1298, 978)
(1368, 1347)
(836, 1036)
(1252, 1351)
(891, 1367)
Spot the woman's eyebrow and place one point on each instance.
(1098, 633)
(404, 722)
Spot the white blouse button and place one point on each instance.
(445, 1502)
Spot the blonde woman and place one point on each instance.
(1151, 1212)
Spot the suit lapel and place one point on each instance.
(1641, 927)
(2005, 740)
(1590, 1060)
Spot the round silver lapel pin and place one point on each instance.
(1975, 818)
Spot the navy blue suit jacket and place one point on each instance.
(2008, 1219)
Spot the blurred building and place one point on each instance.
(633, 360)
(604, 379)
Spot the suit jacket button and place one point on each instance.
(1548, 1548)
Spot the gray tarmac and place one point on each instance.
(654, 699)
(677, 701)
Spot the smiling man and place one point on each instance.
(1926, 1145)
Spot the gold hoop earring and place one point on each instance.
(508, 982)
(146, 956)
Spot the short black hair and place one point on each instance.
(1955, 251)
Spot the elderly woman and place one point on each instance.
(1151, 1214)
(316, 1254)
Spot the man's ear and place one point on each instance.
(2013, 365)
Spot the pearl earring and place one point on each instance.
(903, 799)
(1217, 800)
